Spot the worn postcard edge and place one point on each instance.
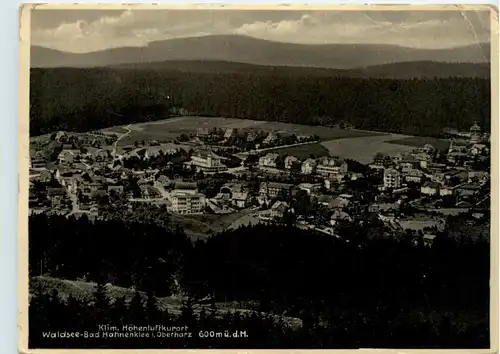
(23, 158)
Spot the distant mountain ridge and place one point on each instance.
(249, 50)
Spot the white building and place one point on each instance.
(477, 149)
(241, 200)
(279, 209)
(68, 156)
(429, 240)
(308, 166)
(271, 138)
(207, 161)
(392, 178)
(430, 188)
(187, 202)
(413, 175)
(446, 190)
(202, 132)
(329, 167)
(290, 161)
(428, 148)
(270, 160)
(229, 133)
(310, 188)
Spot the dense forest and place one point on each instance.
(83, 99)
(356, 291)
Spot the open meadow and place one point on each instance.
(170, 129)
(324, 133)
(303, 151)
(364, 149)
(353, 144)
(421, 141)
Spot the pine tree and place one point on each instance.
(152, 311)
(118, 311)
(136, 310)
(75, 312)
(101, 304)
(187, 316)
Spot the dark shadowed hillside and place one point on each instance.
(261, 52)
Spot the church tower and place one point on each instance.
(475, 133)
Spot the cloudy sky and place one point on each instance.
(89, 30)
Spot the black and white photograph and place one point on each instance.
(280, 177)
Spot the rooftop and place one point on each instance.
(310, 161)
(276, 185)
(240, 196)
(180, 194)
(272, 156)
(204, 154)
(391, 171)
(470, 186)
(279, 205)
(430, 184)
(330, 161)
(475, 127)
(186, 185)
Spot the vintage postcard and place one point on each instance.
(258, 177)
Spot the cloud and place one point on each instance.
(362, 28)
(139, 27)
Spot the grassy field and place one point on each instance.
(170, 129)
(302, 151)
(114, 130)
(324, 133)
(363, 149)
(420, 141)
(353, 144)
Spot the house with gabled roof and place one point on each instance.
(339, 216)
(202, 132)
(429, 240)
(269, 161)
(270, 138)
(291, 161)
(308, 166)
(279, 209)
(229, 133)
(55, 195)
(241, 199)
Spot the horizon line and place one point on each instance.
(480, 44)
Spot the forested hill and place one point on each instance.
(262, 52)
(83, 99)
(371, 292)
(406, 70)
